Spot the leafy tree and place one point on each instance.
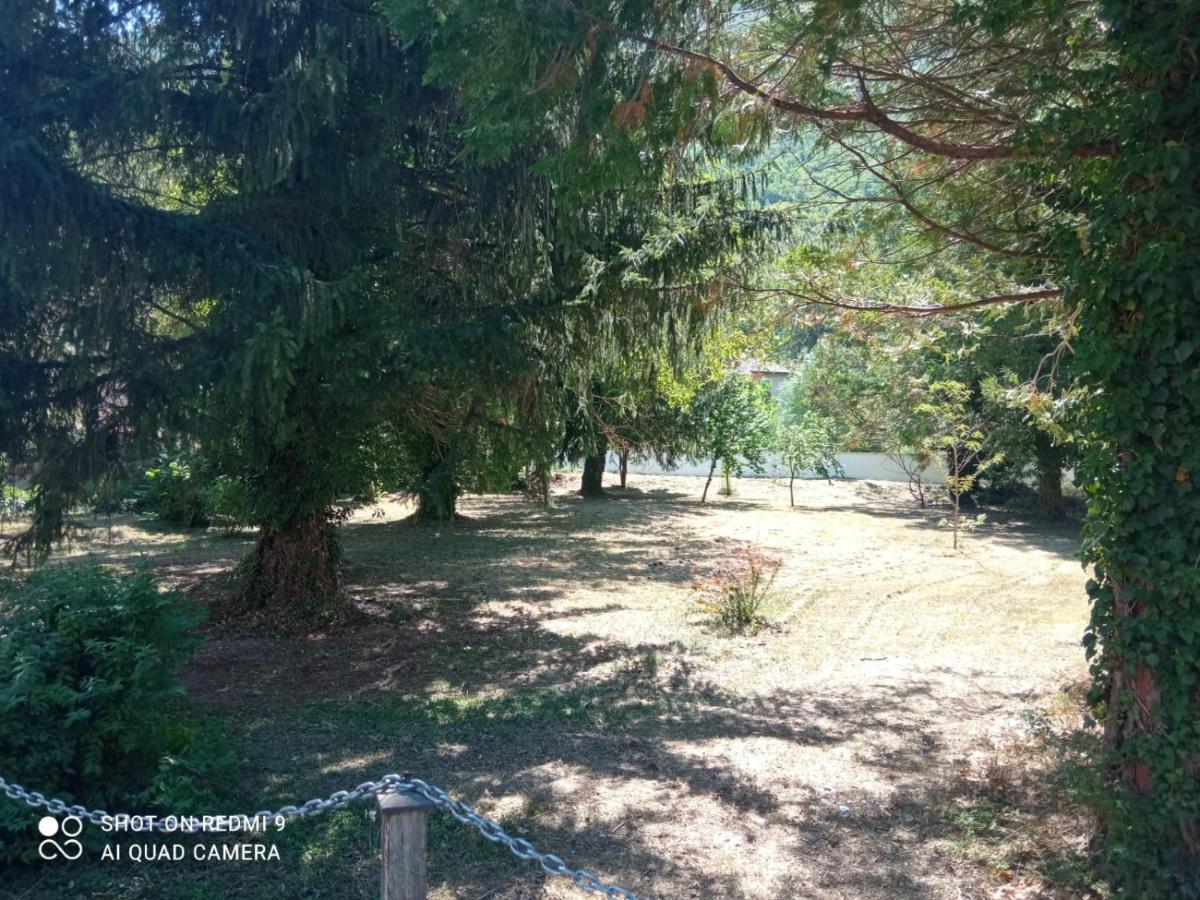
(1031, 427)
(637, 420)
(806, 441)
(871, 383)
(1058, 141)
(960, 437)
(857, 383)
(637, 233)
(651, 428)
(587, 439)
(732, 423)
(873, 376)
(1023, 382)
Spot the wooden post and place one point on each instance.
(403, 840)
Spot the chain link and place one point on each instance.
(493, 831)
(313, 807)
(519, 847)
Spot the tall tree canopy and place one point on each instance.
(1057, 140)
(208, 212)
(276, 227)
(273, 231)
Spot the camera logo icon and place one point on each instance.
(52, 830)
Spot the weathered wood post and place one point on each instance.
(403, 840)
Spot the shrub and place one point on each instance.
(105, 495)
(184, 490)
(227, 503)
(175, 491)
(735, 591)
(89, 708)
(13, 501)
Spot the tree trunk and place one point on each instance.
(916, 487)
(964, 471)
(539, 484)
(592, 484)
(624, 467)
(1140, 316)
(437, 498)
(792, 487)
(291, 575)
(955, 485)
(1126, 721)
(437, 494)
(711, 469)
(1050, 493)
(912, 471)
(1049, 479)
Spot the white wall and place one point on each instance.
(866, 466)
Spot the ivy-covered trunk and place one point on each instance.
(291, 575)
(437, 498)
(1136, 273)
(592, 484)
(437, 493)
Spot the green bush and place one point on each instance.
(13, 500)
(175, 491)
(89, 707)
(182, 489)
(227, 503)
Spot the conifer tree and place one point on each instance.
(212, 223)
(271, 231)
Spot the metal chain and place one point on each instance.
(313, 807)
(519, 847)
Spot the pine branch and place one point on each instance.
(817, 297)
(864, 112)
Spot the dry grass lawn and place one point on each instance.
(550, 667)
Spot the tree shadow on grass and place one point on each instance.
(465, 606)
(608, 753)
(1000, 526)
(614, 776)
(493, 708)
(615, 757)
(522, 552)
(611, 755)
